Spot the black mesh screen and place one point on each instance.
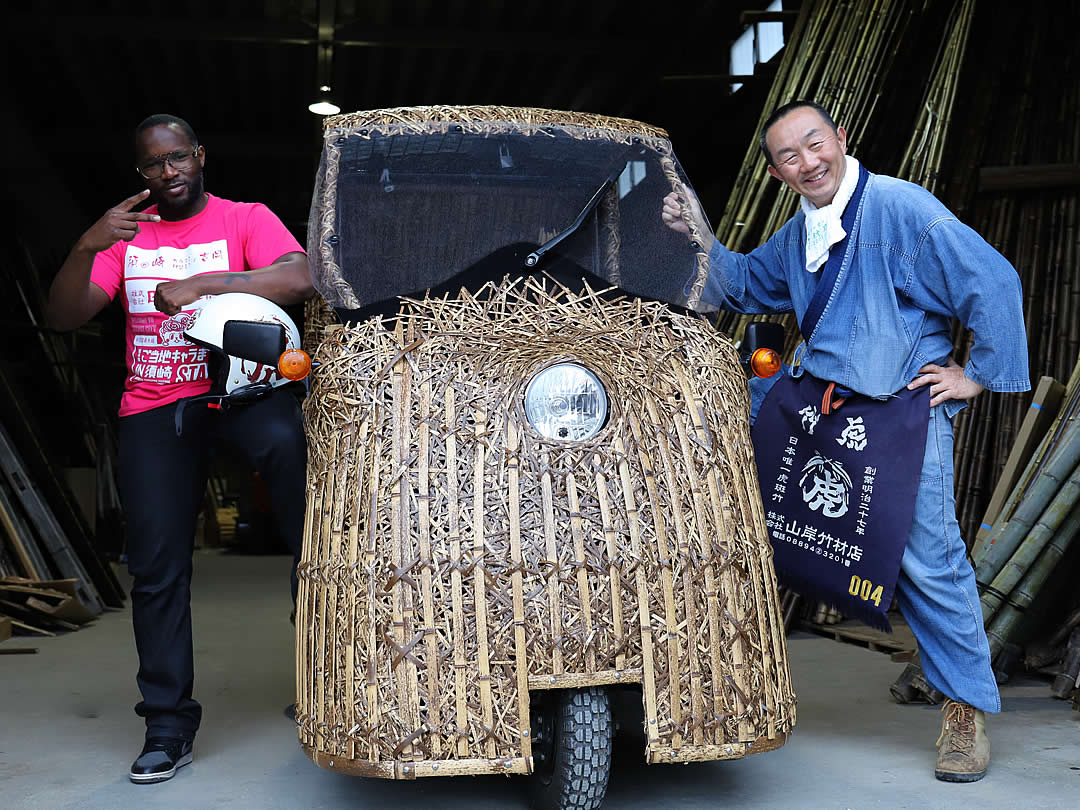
(399, 212)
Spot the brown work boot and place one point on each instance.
(963, 747)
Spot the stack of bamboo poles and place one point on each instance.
(1015, 562)
(923, 157)
(1032, 121)
(1037, 525)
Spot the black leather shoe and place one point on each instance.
(160, 758)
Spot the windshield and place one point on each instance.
(419, 198)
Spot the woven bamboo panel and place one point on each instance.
(490, 119)
(454, 559)
(317, 317)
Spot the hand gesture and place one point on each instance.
(675, 204)
(172, 296)
(946, 382)
(119, 222)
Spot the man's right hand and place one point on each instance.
(119, 222)
(73, 298)
(672, 213)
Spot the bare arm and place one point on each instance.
(286, 281)
(73, 298)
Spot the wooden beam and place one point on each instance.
(753, 17)
(353, 35)
(164, 28)
(1034, 177)
(711, 77)
(762, 69)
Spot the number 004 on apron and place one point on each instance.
(839, 490)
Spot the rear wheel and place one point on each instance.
(572, 741)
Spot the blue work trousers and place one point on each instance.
(936, 587)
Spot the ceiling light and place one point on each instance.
(324, 106)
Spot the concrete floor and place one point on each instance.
(68, 734)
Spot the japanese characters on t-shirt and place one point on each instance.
(226, 236)
(160, 352)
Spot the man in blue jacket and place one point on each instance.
(909, 268)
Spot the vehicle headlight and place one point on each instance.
(567, 402)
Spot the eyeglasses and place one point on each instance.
(179, 160)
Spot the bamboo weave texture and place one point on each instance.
(454, 559)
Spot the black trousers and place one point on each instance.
(162, 482)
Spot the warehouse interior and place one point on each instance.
(984, 114)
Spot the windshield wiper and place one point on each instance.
(620, 166)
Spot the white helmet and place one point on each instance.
(208, 331)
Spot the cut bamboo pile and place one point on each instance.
(1031, 538)
(53, 573)
(32, 547)
(1023, 565)
(42, 608)
(454, 560)
(1032, 118)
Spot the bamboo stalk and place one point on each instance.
(1026, 553)
(1005, 543)
(457, 588)
(1065, 683)
(999, 631)
(1050, 444)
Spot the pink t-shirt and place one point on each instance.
(225, 237)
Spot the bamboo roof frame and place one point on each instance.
(489, 120)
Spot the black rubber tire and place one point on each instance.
(573, 775)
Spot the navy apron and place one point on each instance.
(839, 473)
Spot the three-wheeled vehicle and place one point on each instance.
(530, 475)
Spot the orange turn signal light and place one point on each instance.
(765, 362)
(294, 364)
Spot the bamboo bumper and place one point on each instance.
(454, 559)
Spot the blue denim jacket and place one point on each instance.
(910, 267)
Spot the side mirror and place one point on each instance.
(762, 346)
(763, 335)
(254, 340)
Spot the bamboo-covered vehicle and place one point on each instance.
(530, 478)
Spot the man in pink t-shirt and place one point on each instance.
(185, 247)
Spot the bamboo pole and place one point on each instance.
(1065, 684)
(1004, 542)
(1033, 543)
(999, 632)
(1063, 422)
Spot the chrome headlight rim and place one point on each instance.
(603, 386)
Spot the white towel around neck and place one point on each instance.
(823, 228)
